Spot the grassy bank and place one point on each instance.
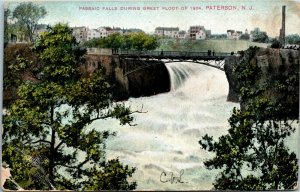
(204, 45)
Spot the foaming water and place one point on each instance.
(166, 137)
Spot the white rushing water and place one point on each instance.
(166, 137)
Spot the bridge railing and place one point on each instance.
(172, 53)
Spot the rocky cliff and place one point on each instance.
(136, 78)
(276, 70)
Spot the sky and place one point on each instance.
(217, 16)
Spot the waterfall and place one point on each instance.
(166, 136)
(196, 80)
(178, 74)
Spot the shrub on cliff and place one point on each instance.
(275, 44)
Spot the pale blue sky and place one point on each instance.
(265, 14)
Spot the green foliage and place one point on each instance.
(138, 41)
(7, 14)
(292, 39)
(28, 15)
(141, 41)
(275, 44)
(259, 36)
(112, 177)
(46, 138)
(19, 61)
(253, 155)
(218, 36)
(245, 37)
(247, 72)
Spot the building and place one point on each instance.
(182, 34)
(80, 33)
(172, 32)
(208, 34)
(198, 32)
(232, 34)
(116, 30)
(92, 34)
(104, 31)
(133, 30)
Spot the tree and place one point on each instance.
(218, 36)
(7, 14)
(28, 15)
(275, 43)
(48, 138)
(141, 41)
(14, 74)
(293, 39)
(114, 41)
(137, 41)
(245, 37)
(253, 155)
(259, 36)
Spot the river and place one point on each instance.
(165, 139)
(164, 143)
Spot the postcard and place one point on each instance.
(150, 95)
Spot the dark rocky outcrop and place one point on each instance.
(234, 86)
(278, 68)
(136, 78)
(130, 77)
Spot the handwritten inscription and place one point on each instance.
(171, 177)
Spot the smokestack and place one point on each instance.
(282, 30)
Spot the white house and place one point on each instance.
(92, 34)
(232, 34)
(182, 34)
(104, 31)
(172, 32)
(198, 32)
(201, 34)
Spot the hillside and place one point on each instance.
(204, 45)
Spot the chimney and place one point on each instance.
(282, 30)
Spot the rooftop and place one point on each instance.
(167, 28)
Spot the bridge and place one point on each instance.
(211, 59)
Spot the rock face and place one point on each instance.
(136, 78)
(234, 85)
(276, 66)
(130, 77)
